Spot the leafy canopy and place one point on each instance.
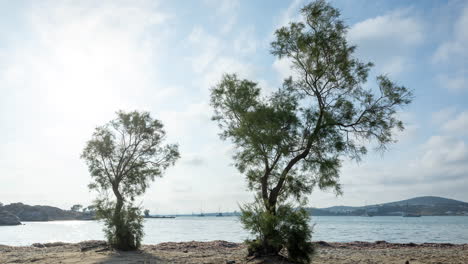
(127, 153)
(295, 138)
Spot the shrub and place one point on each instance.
(287, 229)
(124, 230)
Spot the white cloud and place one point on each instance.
(396, 65)
(225, 10)
(81, 64)
(456, 47)
(457, 126)
(452, 55)
(245, 43)
(443, 115)
(283, 68)
(291, 14)
(388, 40)
(227, 65)
(208, 48)
(443, 151)
(397, 27)
(214, 56)
(454, 81)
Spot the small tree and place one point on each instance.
(295, 139)
(91, 208)
(76, 207)
(147, 212)
(124, 156)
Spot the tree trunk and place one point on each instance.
(120, 234)
(268, 249)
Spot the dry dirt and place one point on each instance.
(221, 252)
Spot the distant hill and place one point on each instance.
(428, 201)
(424, 205)
(43, 213)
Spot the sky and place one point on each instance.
(66, 67)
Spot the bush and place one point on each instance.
(123, 231)
(286, 229)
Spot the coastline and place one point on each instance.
(227, 252)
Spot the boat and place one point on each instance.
(219, 214)
(406, 214)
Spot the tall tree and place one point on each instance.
(296, 138)
(123, 157)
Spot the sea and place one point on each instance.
(396, 229)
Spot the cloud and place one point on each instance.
(194, 161)
(456, 47)
(385, 39)
(227, 11)
(79, 65)
(451, 56)
(455, 82)
(283, 68)
(396, 65)
(388, 40)
(457, 126)
(215, 56)
(246, 43)
(291, 14)
(443, 115)
(396, 27)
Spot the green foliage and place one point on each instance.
(76, 207)
(288, 228)
(146, 212)
(124, 156)
(124, 231)
(295, 139)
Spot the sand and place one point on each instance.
(227, 252)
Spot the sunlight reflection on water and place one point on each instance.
(445, 229)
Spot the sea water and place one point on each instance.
(435, 229)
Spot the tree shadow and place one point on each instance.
(132, 257)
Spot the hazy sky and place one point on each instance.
(68, 66)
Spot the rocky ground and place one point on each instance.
(221, 252)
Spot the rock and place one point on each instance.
(323, 244)
(38, 245)
(230, 261)
(7, 218)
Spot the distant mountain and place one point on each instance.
(424, 205)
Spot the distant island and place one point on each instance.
(15, 213)
(424, 206)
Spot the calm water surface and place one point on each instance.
(443, 229)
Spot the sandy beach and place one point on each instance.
(227, 252)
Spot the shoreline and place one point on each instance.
(219, 251)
